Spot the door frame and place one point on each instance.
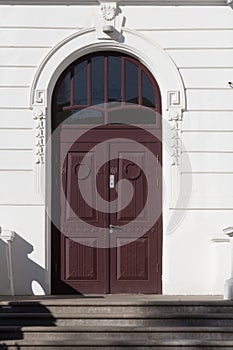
(173, 104)
(57, 284)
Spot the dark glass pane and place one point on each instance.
(148, 95)
(63, 93)
(131, 82)
(85, 116)
(61, 117)
(114, 79)
(132, 116)
(97, 75)
(80, 84)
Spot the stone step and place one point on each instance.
(111, 309)
(109, 344)
(115, 333)
(115, 305)
(126, 319)
(102, 323)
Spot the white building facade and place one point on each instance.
(187, 47)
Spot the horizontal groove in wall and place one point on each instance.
(207, 152)
(188, 112)
(207, 68)
(121, 2)
(16, 170)
(44, 28)
(15, 87)
(167, 48)
(210, 110)
(16, 149)
(15, 108)
(197, 48)
(207, 172)
(21, 205)
(206, 131)
(203, 67)
(25, 47)
(209, 88)
(199, 208)
(17, 66)
(15, 128)
(181, 29)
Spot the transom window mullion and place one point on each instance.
(72, 88)
(89, 84)
(123, 80)
(106, 89)
(139, 86)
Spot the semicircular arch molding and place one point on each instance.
(143, 49)
(84, 42)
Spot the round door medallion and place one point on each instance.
(82, 171)
(132, 171)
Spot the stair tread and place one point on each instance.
(118, 302)
(110, 329)
(110, 315)
(108, 342)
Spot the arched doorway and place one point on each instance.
(100, 99)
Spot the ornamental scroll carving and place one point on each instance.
(175, 117)
(39, 116)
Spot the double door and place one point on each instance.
(107, 243)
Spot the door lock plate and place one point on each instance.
(112, 181)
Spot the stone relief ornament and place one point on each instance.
(108, 10)
(39, 116)
(109, 21)
(39, 97)
(175, 117)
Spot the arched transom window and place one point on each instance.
(93, 89)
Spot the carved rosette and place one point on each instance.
(109, 11)
(109, 21)
(39, 116)
(175, 117)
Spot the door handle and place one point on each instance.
(113, 227)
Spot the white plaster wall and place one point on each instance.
(30, 266)
(199, 40)
(193, 264)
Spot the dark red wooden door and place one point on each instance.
(134, 260)
(115, 249)
(126, 258)
(84, 266)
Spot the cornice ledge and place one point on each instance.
(121, 2)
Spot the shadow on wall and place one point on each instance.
(28, 277)
(16, 316)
